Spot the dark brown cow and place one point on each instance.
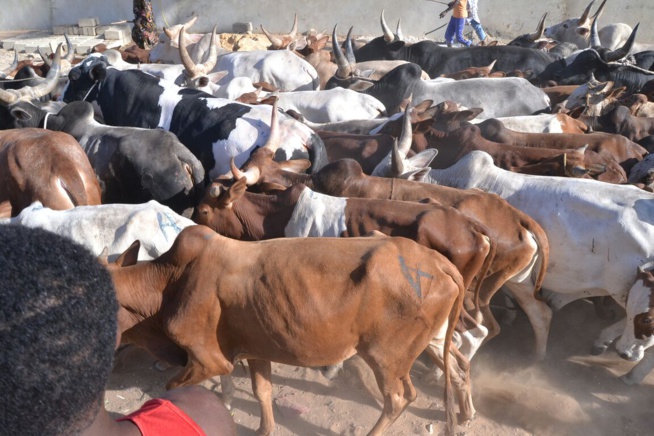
(50, 167)
(620, 121)
(563, 165)
(611, 146)
(211, 301)
(559, 94)
(453, 145)
(368, 150)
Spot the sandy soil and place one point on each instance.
(570, 393)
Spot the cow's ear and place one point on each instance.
(234, 192)
(215, 77)
(583, 31)
(541, 45)
(129, 256)
(270, 187)
(360, 85)
(295, 165)
(20, 114)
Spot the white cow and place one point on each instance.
(543, 123)
(599, 235)
(114, 226)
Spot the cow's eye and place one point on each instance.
(565, 26)
(74, 74)
(646, 320)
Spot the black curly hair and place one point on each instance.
(58, 318)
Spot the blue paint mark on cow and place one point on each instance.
(409, 273)
(170, 222)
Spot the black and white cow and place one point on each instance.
(214, 129)
(133, 165)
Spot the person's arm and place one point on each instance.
(450, 6)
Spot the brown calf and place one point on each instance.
(50, 167)
(211, 301)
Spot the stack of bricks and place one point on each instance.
(91, 27)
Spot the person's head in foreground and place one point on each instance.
(58, 331)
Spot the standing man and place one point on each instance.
(457, 22)
(473, 19)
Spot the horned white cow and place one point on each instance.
(599, 235)
(115, 226)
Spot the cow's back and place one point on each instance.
(329, 288)
(51, 167)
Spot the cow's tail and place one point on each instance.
(543, 253)
(448, 393)
(483, 271)
(317, 152)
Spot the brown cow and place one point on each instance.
(301, 212)
(471, 73)
(132, 54)
(50, 167)
(457, 143)
(617, 147)
(620, 121)
(564, 165)
(211, 301)
(519, 241)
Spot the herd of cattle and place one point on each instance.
(435, 175)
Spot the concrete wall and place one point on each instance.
(418, 16)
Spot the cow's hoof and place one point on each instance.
(331, 372)
(598, 350)
(161, 366)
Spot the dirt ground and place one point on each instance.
(569, 393)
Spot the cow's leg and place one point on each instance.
(460, 375)
(260, 373)
(539, 314)
(640, 371)
(398, 392)
(203, 363)
(227, 388)
(607, 336)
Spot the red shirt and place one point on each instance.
(159, 417)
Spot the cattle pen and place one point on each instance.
(569, 392)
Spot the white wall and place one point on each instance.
(501, 18)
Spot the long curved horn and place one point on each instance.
(344, 70)
(294, 29)
(398, 31)
(397, 161)
(213, 53)
(48, 84)
(583, 20)
(251, 176)
(404, 142)
(188, 63)
(70, 53)
(190, 22)
(538, 34)
(349, 51)
(388, 35)
(44, 57)
(11, 67)
(623, 51)
(274, 139)
(599, 10)
(276, 42)
(594, 36)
